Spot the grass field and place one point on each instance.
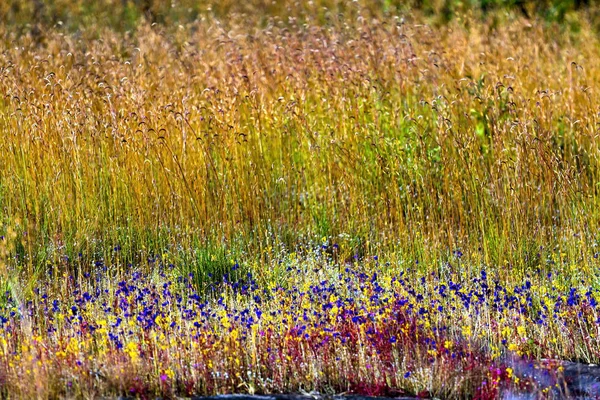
(348, 197)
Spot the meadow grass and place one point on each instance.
(293, 198)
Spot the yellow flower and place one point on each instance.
(73, 346)
(495, 352)
(133, 351)
(225, 322)
(509, 372)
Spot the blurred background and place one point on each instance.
(123, 15)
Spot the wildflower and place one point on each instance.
(513, 347)
(133, 351)
(73, 346)
(466, 330)
(225, 322)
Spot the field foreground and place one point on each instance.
(338, 332)
(349, 198)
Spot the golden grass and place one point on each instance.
(387, 133)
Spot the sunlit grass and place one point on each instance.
(389, 135)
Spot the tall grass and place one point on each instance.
(386, 133)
